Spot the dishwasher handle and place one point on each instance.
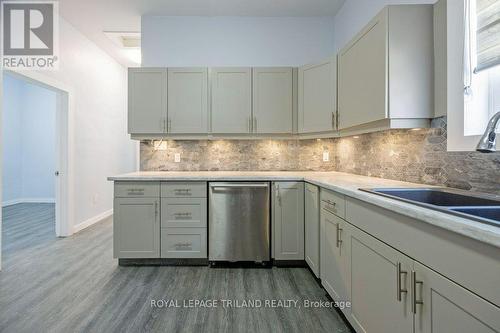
(239, 185)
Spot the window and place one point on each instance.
(481, 64)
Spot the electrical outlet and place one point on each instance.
(177, 158)
(326, 156)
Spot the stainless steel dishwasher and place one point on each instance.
(239, 222)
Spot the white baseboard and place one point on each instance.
(28, 200)
(92, 220)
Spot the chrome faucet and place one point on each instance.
(488, 143)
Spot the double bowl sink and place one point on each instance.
(477, 207)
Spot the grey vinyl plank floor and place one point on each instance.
(50, 284)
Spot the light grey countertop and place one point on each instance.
(347, 184)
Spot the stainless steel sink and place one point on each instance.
(479, 207)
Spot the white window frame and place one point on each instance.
(456, 110)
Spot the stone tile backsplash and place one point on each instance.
(417, 156)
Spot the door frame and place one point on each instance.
(64, 184)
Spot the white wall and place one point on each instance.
(29, 142)
(102, 146)
(11, 140)
(355, 14)
(235, 41)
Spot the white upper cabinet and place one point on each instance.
(317, 91)
(147, 100)
(187, 100)
(272, 100)
(231, 100)
(385, 74)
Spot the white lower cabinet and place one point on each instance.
(288, 221)
(379, 286)
(312, 227)
(184, 242)
(442, 306)
(390, 292)
(136, 227)
(334, 256)
(184, 212)
(184, 220)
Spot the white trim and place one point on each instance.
(28, 200)
(1, 146)
(65, 142)
(457, 141)
(93, 220)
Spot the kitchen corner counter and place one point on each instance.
(347, 184)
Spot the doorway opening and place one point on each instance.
(35, 182)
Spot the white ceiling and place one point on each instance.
(93, 17)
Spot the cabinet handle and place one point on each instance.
(339, 235)
(398, 282)
(165, 125)
(135, 191)
(278, 195)
(337, 116)
(156, 209)
(182, 215)
(179, 246)
(182, 191)
(333, 120)
(415, 282)
(255, 124)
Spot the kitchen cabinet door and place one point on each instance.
(312, 227)
(334, 255)
(380, 286)
(184, 212)
(288, 220)
(448, 307)
(136, 228)
(363, 76)
(147, 100)
(188, 100)
(231, 100)
(187, 243)
(273, 100)
(386, 73)
(317, 97)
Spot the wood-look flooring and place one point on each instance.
(73, 284)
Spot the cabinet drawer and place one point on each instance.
(184, 212)
(184, 243)
(137, 190)
(333, 203)
(184, 190)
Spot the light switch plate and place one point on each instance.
(177, 158)
(326, 156)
